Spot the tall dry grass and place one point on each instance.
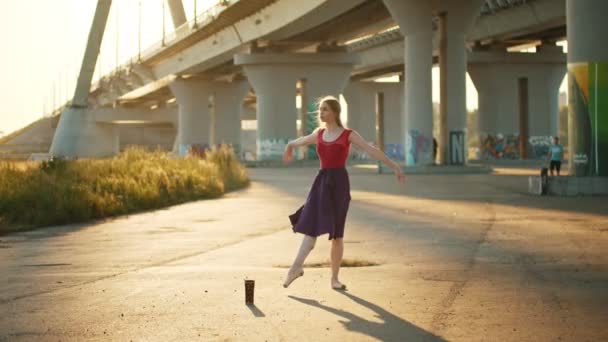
(61, 192)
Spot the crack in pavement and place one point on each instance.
(438, 321)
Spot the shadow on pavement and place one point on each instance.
(256, 311)
(392, 327)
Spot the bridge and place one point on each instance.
(269, 60)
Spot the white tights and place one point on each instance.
(308, 243)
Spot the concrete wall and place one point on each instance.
(360, 98)
(497, 87)
(37, 138)
(152, 136)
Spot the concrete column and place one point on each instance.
(194, 113)
(379, 100)
(248, 137)
(178, 15)
(320, 81)
(497, 85)
(275, 89)
(414, 19)
(458, 17)
(274, 77)
(228, 103)
(393, 120)
(77, 133)
(588, 87)
(359, 98)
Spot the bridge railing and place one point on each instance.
(199, 21)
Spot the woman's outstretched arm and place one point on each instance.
(375, 153)
(299, 142)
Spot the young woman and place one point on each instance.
(327, 204)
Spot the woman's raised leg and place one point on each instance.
(297, 268)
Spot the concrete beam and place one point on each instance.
(143, 72)
(387, 55)
(498, 57)
(133, 80)
(277, 21)
(388, 46)
(520, 20)
(148, 88)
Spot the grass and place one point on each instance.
(34, 194)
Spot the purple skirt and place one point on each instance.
(326, 206)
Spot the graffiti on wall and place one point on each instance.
(311, 123)
(198, 150)
(457, 144)
(538, 146)
(588, 118)
(500, 146)
(394, 151)
(357, 154)
(419, 148)
(271, 149)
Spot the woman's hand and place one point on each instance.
(400, 176)
(288, 154)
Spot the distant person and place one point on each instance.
(324, 211)
(556, 154)
(434, 150)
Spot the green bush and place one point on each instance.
(61, 191)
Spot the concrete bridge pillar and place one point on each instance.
(360, 97)
(79, 134)
(361, 106)
(588, 87)
(194, 114)
(455, 19)
(414, 19)
(393, 118)
(499, 79)
(274, 77)
(227, 107)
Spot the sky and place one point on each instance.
(44, 41)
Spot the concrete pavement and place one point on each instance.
(459, 258)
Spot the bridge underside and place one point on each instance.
(390, 38)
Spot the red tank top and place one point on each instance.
(333, 154)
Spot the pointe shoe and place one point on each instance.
(342, 287)
(289, 280)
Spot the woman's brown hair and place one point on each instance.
(334, 105)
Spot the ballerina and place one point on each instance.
(327, 204)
